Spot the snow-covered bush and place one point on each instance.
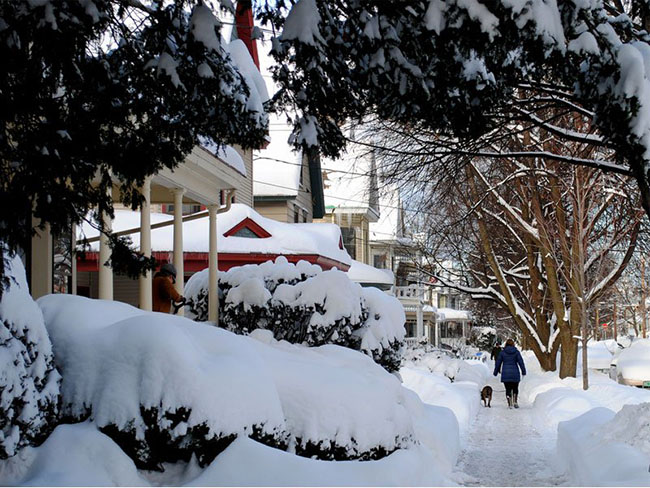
(338, 404)
(304, 305)
(161, 386)
(29, 382)
(165, 388)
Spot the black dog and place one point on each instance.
(486, 396)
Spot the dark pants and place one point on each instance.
(511, 387)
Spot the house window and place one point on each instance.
(296, 215)
(349, 241)
(304, 215)
(246, 232)
(379, 260)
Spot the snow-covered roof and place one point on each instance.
(348, 181)
(277, 167)
(286, 239)
(227, 154)
(364, 273)
(451, 314)
(244, 62)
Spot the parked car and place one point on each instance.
(632, 366)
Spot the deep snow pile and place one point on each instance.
(29, 383)
(632, 426)
(165, 387)
(558, 399)
(73, 455)
(302, 304)
(597, 448)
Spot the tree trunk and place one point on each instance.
(569, 357)
(548, 361)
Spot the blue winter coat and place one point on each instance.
(507, 363)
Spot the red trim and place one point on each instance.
(197, 261)
(244, 22)
(251, 225)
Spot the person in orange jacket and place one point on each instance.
(163, 289)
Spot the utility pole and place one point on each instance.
(643, 299)
(585, 337)
(615, 329)
(597, 329)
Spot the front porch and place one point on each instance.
(203, 179)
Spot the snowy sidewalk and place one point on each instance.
(505, 448)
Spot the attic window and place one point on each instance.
(245, 232)
(249, 229)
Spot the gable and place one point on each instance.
(248, 228)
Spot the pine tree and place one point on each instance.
(107, 89)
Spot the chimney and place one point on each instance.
(244, 24)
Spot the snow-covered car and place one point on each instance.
(633, 364)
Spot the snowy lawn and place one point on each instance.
(215, 408)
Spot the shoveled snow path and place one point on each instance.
(506, 447)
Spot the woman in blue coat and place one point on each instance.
(508, 364)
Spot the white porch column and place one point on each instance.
(178, 241)
(146, 299)
(213, 287)
(41, 261)
(105, 283)
(437, 333)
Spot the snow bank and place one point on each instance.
(592, 459)
(446, 382)
(434, 389)
(74, 455)
(29, 383)
(560, 404)
(632, 426)
(248, 463)
(602, 390)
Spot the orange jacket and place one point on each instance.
(164, 294)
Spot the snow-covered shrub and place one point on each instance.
(323, 309)
(29, 382)
(338, 404)
(380, 338)
(161, 386)
(302, 304)
(165, 388)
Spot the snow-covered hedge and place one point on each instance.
(304, 305)
(161, 386)
(29, 382)
(165, 387)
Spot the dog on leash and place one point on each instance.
(486, 396)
